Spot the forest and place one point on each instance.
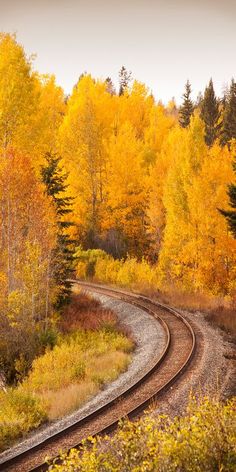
(111, 184)
(115, 171)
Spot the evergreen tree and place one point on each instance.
(210, 114)
(187, 108)
(229, 118)
(62, 263)
(124, 79)
(230, 215)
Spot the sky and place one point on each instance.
(163, 42)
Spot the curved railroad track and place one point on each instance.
(177, 354)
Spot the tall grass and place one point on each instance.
(73, 358)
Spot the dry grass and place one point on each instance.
(219, 311)
(65, 377)
(67, 399)
(225, 318)
(105, 368)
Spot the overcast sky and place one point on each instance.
(163, 42)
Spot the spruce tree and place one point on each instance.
(124, 80)
(62, 263)
(229, 118)
(230, 215)
(210, 114)
(187, 108)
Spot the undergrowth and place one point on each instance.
(19, 412)
(82, 362)
(91, 350)
(203, 439)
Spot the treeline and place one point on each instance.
(149, 180)
(34, 216)
(142, 179)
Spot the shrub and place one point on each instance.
(81, 358)
(125, 272)
(204, 439)
(19, 412)
(85, 312)
(63, 379)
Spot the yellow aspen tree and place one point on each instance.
(17, 94)
(135, 106)
(51, 108)
(190, 151)
(168, 153)
(198, 253)
(27, 238)
(125, 219)
(161, 123)
(83, 141)
(213, 246)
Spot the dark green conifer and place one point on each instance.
(62, 263)
(187, 108)
(230, 215)
(229, 117)
(210, 114)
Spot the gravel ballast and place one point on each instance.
(212, 373)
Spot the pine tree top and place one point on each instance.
(187, 108)
(229, 118)
(210, 114)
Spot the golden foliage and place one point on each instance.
(202, 439)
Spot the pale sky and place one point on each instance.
(163, 42)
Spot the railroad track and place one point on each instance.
(177, 354)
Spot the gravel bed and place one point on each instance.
(212, 373)
(149, 337)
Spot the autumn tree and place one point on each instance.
(32, 106)
(187, 108)
(125, 223)
(83, 139)
(17, 94)
(192, 219)
(229, 117)
(62, 261)
(210, 114)
(135, 107)
(169, 151)
(27, 241)
(51, 109)
(158, 127)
